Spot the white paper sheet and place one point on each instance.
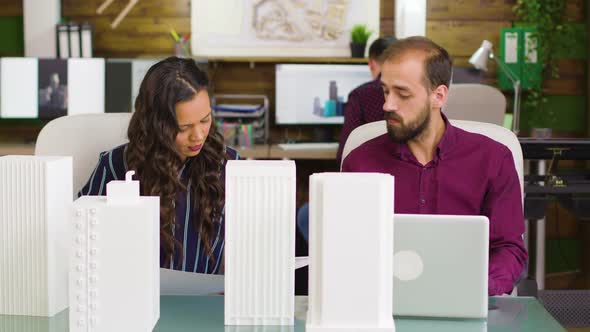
(174, 282)
(301, 261)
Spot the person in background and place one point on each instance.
(178, 155)
(365, 103)
(439, 168)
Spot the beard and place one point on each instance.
(402, 133)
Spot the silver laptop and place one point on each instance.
(440, 266)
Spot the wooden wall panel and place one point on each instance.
(483, 10)
(575, 10)
(489, 10)
(462, 38)
(156, 8)
(137, 36)
(11, 7)
(387, 15)
(564, 87)
(144, 31)
(571, 68)
(571, 80)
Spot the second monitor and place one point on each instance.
(315, 94)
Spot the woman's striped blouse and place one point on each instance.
(112, 166)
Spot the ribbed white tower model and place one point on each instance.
(351, 252)
(115, 269)
(35, 205)
(259, 242)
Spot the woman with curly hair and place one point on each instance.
(178, 154)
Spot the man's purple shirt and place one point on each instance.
(470, 174)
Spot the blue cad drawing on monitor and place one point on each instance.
(315, 94)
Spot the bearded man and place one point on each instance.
(438, 168)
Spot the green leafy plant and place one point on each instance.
(360, 34)
(547, 17)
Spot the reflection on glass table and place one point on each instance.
(205, 313)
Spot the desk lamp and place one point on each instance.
(479, 60)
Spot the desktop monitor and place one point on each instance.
(315, 94)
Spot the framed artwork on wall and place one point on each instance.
(279, 28)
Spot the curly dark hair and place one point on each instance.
(152, 152)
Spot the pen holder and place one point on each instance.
(181, 49)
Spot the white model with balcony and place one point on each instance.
(115, 261)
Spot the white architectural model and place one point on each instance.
(115, 269)
(259, 242)
(35, 204)
(351, 252)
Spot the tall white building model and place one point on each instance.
(115, 269)
(351, 252)
(35, 204)
(259, 242)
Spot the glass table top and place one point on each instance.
(186, 313)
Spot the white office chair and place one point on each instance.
(499, 134)
(475, 102)
(83, 137)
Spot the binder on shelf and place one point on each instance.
(518, 50)
(75, 47)
(510, 55)
(63, 40)
(532, 68)
(86, 40)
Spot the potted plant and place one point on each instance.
(553, 35)
(359, 35)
